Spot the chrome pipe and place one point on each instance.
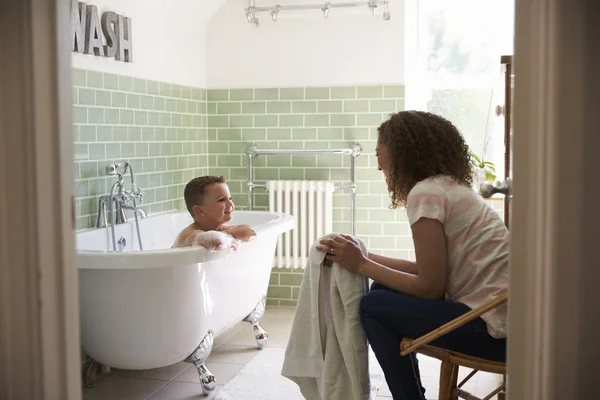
(339, 186)
(257, 152)
(250, 185)
(299, 7)
(355, 150)
(113, 214)
(135, 214)
(336, 187)
(258, 185)
(353, 195)
(274, 11)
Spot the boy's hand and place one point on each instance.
(244, 233)
(215, 241)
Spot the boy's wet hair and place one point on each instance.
(195, 189)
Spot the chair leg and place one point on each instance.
(502, 394)
(448, 379)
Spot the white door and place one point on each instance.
(555, 219)
(39, 324)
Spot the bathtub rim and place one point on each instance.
(161, 258)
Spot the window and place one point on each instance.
(456, 70)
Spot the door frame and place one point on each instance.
(555, 221)
(555, 226)
(39, 324)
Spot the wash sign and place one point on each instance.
(88, 30)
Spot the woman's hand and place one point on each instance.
(343, 250)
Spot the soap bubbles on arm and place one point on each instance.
(215, 241)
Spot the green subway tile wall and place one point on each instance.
(161, 129)
(309, 118)
(171, 133)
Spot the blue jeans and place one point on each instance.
(388, 316)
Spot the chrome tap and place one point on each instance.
(133, 208)
(128, 200)
(102, 216)
(120, 200)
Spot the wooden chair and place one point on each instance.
(452, 360)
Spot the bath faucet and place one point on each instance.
(119, 200)
(122, 199)
(102, 217)
(127, 200)
(135, 209)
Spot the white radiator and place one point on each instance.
(311, 205)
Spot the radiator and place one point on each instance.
(311, 205)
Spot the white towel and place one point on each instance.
(327, 354)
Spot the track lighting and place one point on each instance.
(326, 10)
(374, 6)
(386, 10)
(274, 11)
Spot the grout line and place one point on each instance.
(190, 365)
(158, 390)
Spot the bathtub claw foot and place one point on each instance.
(89, 372)
(253, 318)
(198, 358)
(207, 379)
(261, 336)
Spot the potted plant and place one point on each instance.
(485, 170)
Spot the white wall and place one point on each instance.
(168, 40)
(303, 48)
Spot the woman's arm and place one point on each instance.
(410, 267)
(428, 282)
(430, 278)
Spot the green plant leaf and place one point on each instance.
(490, 176)
(477, 159)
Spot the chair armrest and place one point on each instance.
(412, 345)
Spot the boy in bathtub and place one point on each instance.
(209, 202)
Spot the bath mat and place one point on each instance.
(261, 379)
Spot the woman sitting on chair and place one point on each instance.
(461, 248)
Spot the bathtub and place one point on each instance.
(156, 307)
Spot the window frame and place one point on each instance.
(419, 87)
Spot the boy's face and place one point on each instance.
(217, 207)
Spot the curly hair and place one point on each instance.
(422, 145)
(195, 189)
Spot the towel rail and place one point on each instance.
(354, 151)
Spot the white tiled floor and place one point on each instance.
(231, 352)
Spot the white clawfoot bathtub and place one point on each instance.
(152, 308)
